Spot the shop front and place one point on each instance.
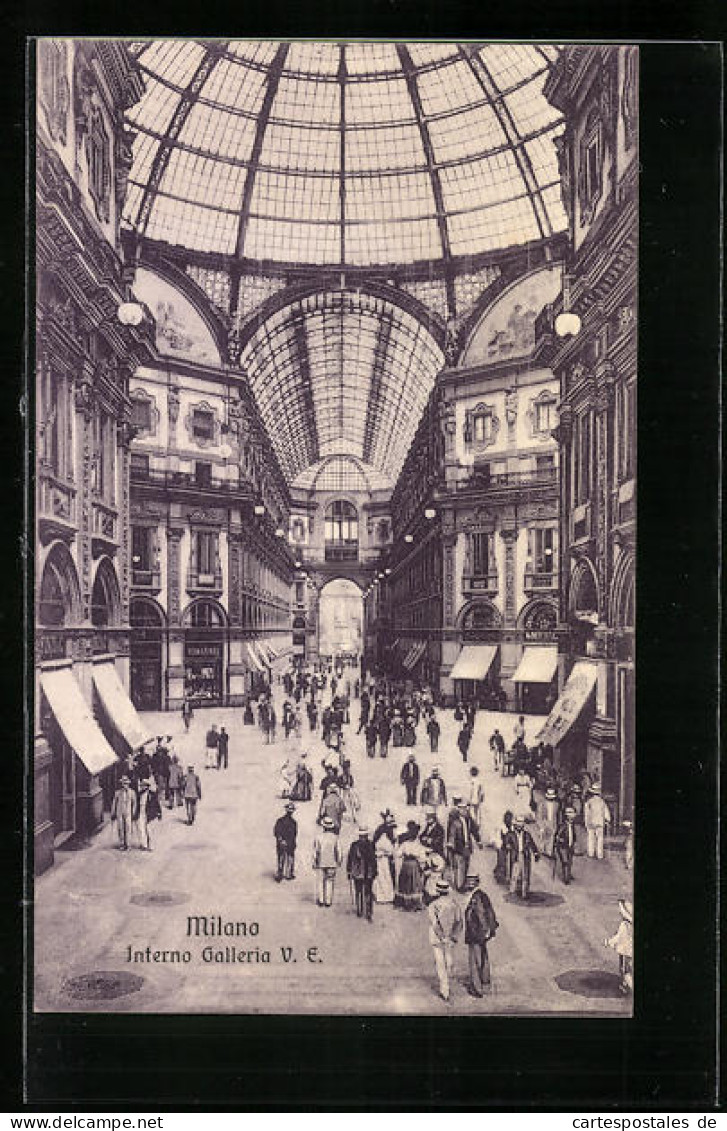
(204, 656)
(476, 674)
(146, 656)
(534, 679)
(567, 727)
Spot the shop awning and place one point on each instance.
(573, 698)
(414, 655)
(474, 661)
(253, 657)
(75, 718)
(537, 665)
(119, 707)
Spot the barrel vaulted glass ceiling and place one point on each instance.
(342, 373)
(356, 154)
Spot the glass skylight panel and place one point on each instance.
(235, 85)
(175, 59)
(286, 242)
(208, 182)
(154, 111)
(294, 147)
(259, 52)
(371, 58)
(389, 198)
(554, 206)
(510, 65)
(395, 147)
(306, 101)
(448, 88)
(541, 151)
(479, 184)
(313, 58)
(218, 133)
(132, 203)
(144, 149)
(296, 197)
(378, 101)
(529, 109)
(459, 136)
(512, 222)
(424, 54)
(401, 241)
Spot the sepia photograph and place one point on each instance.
(335, 527)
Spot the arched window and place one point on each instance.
(105, 597)
(58, 598)
(205, 614)
(341, 531)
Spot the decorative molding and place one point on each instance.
(468, 430)
(203, 406)
(629, 97)
(143, 397)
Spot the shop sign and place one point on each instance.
(203, 651)
(541, 636)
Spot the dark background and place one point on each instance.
(665, 1059)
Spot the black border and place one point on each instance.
(665, 1058)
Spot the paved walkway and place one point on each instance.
(96, 905)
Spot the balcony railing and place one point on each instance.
(343, 551)
(56, 500)
(105, 519)
(537, 581)
(146, 578)
(487, 583)
(481, 480)
(186, 480)
(198, 582)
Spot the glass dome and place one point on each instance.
(344, 154)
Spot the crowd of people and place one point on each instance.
(421, 862)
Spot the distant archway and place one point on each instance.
(59, 601)
(341, 531)
(340, 618)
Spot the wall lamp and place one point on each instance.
(279, 532)
(130, 314)
(567, 324)
(259, 510)
(430, 513)
(409, 538)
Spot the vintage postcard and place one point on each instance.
(335, 527)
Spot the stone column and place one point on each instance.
(175, 663)
(509, 536)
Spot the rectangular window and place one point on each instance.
(141, 415)
(300, 592)
(583, 460)
(544, 465)
(139, 466)
(203, 474)
(141, 548)
(482, 427)
(54, 419)
(593, 168)
(544, 416)
(206, 552)
(543, 550)
(203, 424)
(480, 554)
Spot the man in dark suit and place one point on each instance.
(223, 744)
(410, 779)
(361, 868)
(459, 843)
(521, 848)
(285, 832)
(480, 925)
(432, 835)
(564, 844)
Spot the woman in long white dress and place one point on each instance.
(383, 887)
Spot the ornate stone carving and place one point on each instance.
(629, 102)
(83, 397)
(53, 86)
(174, 537)
(470, 427)
(123, 158)
(563, 156)
(509, 537)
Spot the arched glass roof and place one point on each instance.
(345, 373)
(356, 154)
(342, 473)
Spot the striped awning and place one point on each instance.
(414, 655)
(75, 718)
(118, 706)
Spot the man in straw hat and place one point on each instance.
(480, 925)
(361, 868)
(521, 847)
(327, 860)
(445, 927)
(623, 943)
(596, 815)
(123, 810)
(285, 832)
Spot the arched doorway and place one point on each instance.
(146, 647)
(341, 532)
(340, 619)
(204, 654)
